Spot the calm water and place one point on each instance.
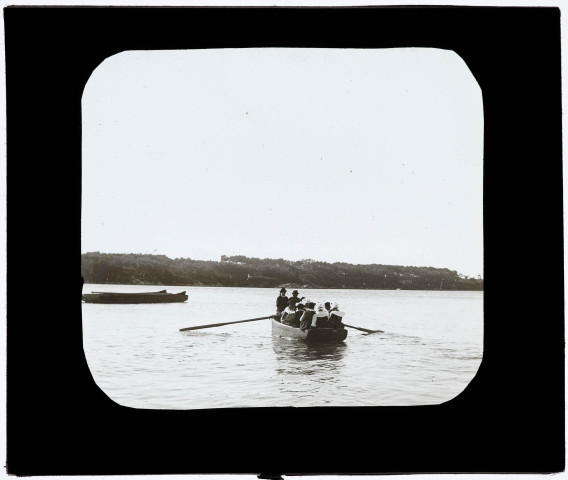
(431, 348)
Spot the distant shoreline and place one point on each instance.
(245, 272)
(289, 287)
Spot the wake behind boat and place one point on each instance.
(161, 296)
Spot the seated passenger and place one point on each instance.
(335, 316)
(320, 319)
(306, 318)
(295, 321)
(289, 313)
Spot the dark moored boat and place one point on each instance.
(311, 335)
(140, 297)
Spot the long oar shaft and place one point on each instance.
(225, 323)
(363, 329)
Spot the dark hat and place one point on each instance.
(299, 306)
(295, 291)
(283, 290)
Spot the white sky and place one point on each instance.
(362, 156)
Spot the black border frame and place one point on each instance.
(511, 416)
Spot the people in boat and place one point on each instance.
(289, 314)
(335, 316)
(300, 309)
(294, 320)
(320, 319)
(281, 301)
(295, 297)
(306, 318)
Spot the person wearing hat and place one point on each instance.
(289, 314)
(320, 319)
(281, 301)
(306, 318)
(295, 297)
(299, 313)
(335, 316)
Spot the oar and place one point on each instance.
(226, 323)
(364, 329)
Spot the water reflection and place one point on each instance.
(295, 357)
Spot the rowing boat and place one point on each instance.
(139, 297)
(310, 335)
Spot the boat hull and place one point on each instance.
(314, 335)
(131, 298)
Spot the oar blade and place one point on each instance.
(366, 330)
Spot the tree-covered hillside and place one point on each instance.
(240, 271)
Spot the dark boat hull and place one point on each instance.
(130, 298)
(135, 293)
(315, 335)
